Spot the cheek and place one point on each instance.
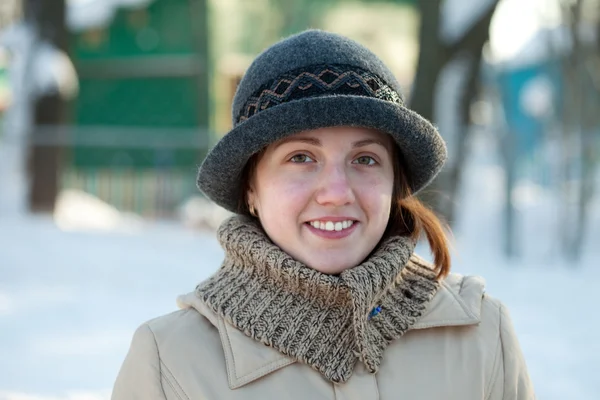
(283, 193)
(375, 194)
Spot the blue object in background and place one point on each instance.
(530, 97)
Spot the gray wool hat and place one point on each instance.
(312, 80)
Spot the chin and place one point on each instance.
(331, 268)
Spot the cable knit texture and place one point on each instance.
(322, 320)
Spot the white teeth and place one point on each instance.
(332, 226)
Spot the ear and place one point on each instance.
(251, 195)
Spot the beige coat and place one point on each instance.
(464, 348)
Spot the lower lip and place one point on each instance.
(332, 234)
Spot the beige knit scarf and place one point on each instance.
(322, 320)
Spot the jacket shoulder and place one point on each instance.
(164, 352)
(459, 298)
(187, 342)
(457, 302)
(510, 379)
(180, 325)
(470, 289)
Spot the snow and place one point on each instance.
(517, 24)
(550, 298)
(76, 210)
(89, 14)
(530, 32)
(70, 300)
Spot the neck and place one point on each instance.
(323, 320)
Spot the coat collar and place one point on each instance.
(457, 303)
(245, 358)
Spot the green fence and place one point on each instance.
(142, 107)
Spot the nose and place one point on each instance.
(334, 187)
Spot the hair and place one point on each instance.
(409, 216)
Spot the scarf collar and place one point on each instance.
(328, 322)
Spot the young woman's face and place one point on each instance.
(324, 196)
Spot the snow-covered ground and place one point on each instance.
(70, 301)
(552, 300)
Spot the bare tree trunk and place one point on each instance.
(511, 235)
(44, 162)
(454, 174)
(434, 55)
(587, 68)
(432, 59)
(572, 128)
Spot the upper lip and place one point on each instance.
(332, 219)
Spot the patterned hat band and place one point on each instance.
(316, 81)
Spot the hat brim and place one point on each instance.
(422, 148)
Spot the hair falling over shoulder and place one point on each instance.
(409, 216)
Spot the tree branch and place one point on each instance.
(471, 39)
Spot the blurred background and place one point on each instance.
(107, 107)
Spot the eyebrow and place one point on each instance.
(367, 142)
(316, 142)
(308, 140)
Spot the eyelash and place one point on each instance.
(374, 162)
(368, 165)
(297, 155)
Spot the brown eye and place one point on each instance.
(365, 160)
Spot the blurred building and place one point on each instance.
(140, 122)
(112, 98)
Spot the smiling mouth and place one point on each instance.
(330, 226)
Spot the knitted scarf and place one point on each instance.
(328, 322)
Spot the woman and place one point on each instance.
(320, 294)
